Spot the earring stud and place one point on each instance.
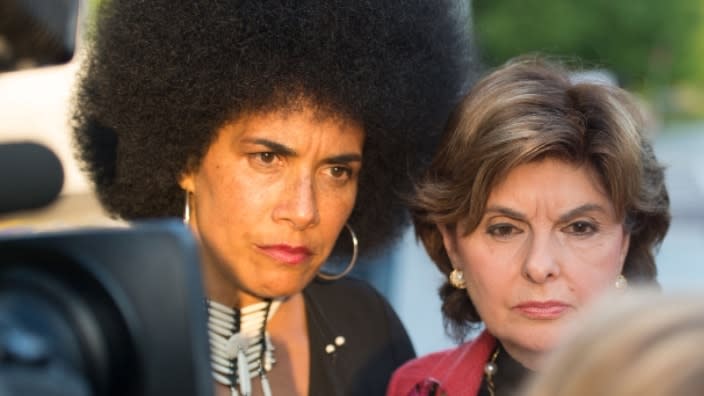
(456, 279)
(621, 282)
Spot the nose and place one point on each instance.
(298, 204)
(542, 262)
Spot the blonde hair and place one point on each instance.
(644, 344)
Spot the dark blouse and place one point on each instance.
(508, 377)
(376, 342)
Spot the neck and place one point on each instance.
(222, 287)
(235, 300)
(230, 297)
(529, 359)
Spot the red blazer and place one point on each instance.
(458, 371)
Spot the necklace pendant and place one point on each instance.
(490, 368)
(237, 342)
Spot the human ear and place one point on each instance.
(187, 178)
(449, 240)
(187, 181)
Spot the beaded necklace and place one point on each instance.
(240, 346)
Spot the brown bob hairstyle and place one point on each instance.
(525, 111)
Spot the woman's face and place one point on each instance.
(548, 242)
(269, 200)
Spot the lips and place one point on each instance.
(287, 254)
(542, 310)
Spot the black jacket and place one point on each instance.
(375, 341)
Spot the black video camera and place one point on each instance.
(103, 311)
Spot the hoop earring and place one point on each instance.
(353, 261)
(456, 279)
(187, 209)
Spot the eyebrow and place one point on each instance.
(343, 159)
(274, 147)
(281, 149)
(580, 210)
(505, 211)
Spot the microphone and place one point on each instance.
(31, 176)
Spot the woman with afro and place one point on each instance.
(275, 128)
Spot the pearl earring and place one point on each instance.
(621, 282)
(456, 279)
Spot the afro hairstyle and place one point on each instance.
(162, 76)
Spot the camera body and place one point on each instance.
(118, 311)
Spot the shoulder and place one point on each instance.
(428, 364)
(456, 370)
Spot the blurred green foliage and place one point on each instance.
(654, 47)
(93, 4)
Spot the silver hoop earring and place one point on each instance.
(621, 282)
(353, 261)
(456, 279)
(187, 209)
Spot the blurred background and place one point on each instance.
(653, 48)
